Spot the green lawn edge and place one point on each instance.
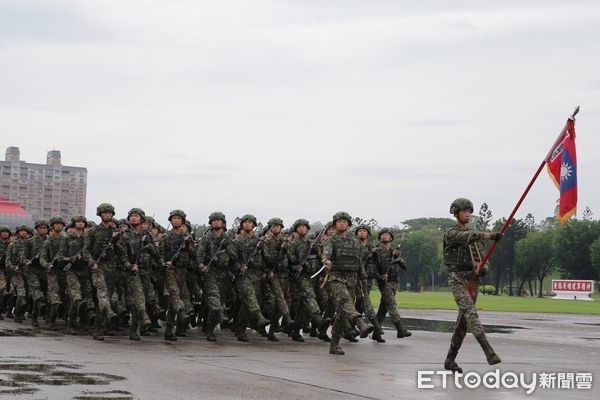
(445, 301)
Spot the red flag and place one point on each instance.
(562, 167)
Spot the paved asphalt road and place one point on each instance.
(49, 365)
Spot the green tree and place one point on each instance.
(587, 215)
(421, 250)
(502, 262)
(595, 254)
(572, 249)
(534, 258)
(485, 218)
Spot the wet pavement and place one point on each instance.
(37, 364)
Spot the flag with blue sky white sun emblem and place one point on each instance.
(562, 167)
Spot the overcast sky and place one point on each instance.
(386, 109)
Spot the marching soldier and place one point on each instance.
(102, 253)
(245, 253)
(139, 248)
(213, 265)
(36, 276)
(176, 247)
(363, 232)
(274, 253)
(303, 256)
(389, 263)
(342, 259)
(462, 253)
(14, 262)
(4, 242)
(77, 274)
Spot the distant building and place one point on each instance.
(13, 215)
(44, 190)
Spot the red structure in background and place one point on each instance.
(13, 215)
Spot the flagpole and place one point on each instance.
(474, 277)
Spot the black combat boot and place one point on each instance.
(490, 354)
(364, 328)
(377, 332)
(271, 335)
(2, 299)
(402, 333)
(169, 335)
(34, 314)
(241, 334)
(133, 328)
(20, 309)
(334, 346)
(10, 303)
(450, 363)
(98, 320)
(52, 315)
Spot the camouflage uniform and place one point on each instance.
(461, 251)
(105, 250)
(389, 264)
(303, 263)
(79, 283)
(49, 259)
(3, 277)
(345, 255)
(14, 262)
(36, 276)
(274, 253)
(364, 288)
(177, 248)
(139, 247)
(216, 282)
(243, 252)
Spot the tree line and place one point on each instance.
(529, 252)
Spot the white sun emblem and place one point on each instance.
(566, 170)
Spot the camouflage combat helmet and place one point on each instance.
(362, 226)
(78, 218)
(177, 213)
(189, 226)
(91, 224)
(150, 221)
(56, 220)
(215, 216)
(105, 207)
(248, 217)
(342, 215)
(299, 222)
(385, 230)
(123, 221)
(137, 210)
(4, 228)
(275, 221)
(461, 204)
(21, 228)
(41, 222)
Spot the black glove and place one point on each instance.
(497, 236)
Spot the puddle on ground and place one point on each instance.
(17, 332)
(433, 325)
(111, 394)
(24, 378)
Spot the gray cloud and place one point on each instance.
(47, 21)
(290, 108)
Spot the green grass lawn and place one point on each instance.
(445, 301)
